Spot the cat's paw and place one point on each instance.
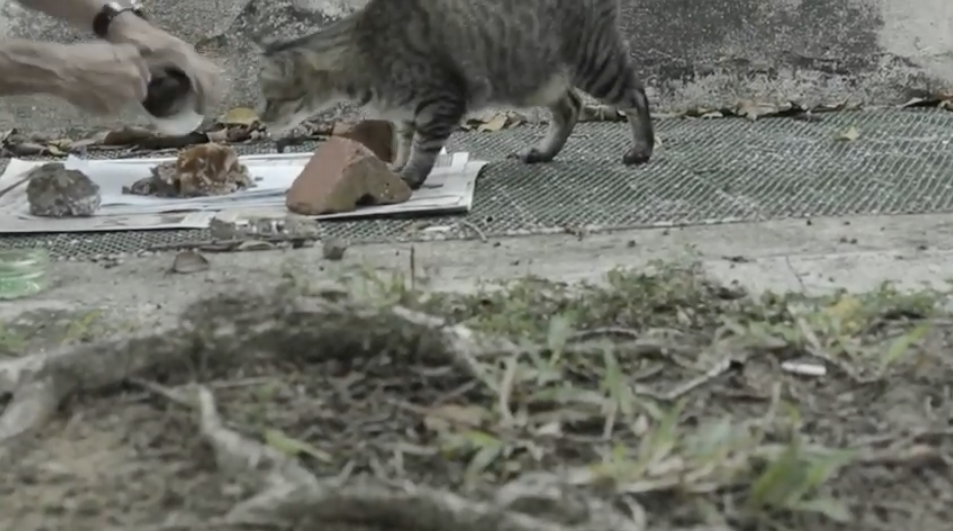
(532, 155)
(414, 179)
(639, 154)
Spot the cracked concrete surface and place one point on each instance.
(851, 253)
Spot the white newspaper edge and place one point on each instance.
(199, 219)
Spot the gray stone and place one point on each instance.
(55, 192)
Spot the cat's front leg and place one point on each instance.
(403, 141)
(433, 124)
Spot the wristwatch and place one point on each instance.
(111, 10)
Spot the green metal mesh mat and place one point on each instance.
(707, 171)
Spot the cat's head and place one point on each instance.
(295, 85)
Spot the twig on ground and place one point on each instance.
(227, 331)
(293, 496)
(605, 331)
(480, 234)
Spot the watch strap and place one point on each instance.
(110, 11)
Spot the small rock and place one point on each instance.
(53, 191)
(377, 135)
(187, 262)
(341, 175)
(333, 249)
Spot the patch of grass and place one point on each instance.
(51, 328)
(557, 392)
(659, 388)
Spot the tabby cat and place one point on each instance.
(426, 63)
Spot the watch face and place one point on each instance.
(129, 4)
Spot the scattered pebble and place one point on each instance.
(187, 262)
(333, 249)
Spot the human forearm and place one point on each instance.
(80, 13)
(31, 68)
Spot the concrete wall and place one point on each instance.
(693, 52)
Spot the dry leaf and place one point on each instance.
(939, 100)
(239, 116)
(847, 312)
(497, 123)
(753, 110)
(255, 245)
(848, 135)
(444, 417)
(127, 136)
(25, 149)
(188, 262)
(845, 105)
(600, 113)
(293, 447)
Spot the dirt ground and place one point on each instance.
(689, 405)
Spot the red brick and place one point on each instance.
(378, 135)
(341, 174)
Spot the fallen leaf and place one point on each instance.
(255, 245)
(497, 123)
(127, 136)
(89, 141)
(442, 418)
(239, 116)
(938, 100)
(25, 149)
(846, 311)
(848, 135)
(753, 110)
(600, 113)
(293, 447)
(550, 429)
(187, 262)
(53, 149)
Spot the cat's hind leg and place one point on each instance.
(565, 113)
(436, 118)
(605, 72)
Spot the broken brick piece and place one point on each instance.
(378, 135)
(341, 175)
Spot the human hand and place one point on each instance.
(101, 78)
(164, 51)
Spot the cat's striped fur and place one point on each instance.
(425, 63)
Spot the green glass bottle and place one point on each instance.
(23, 272)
